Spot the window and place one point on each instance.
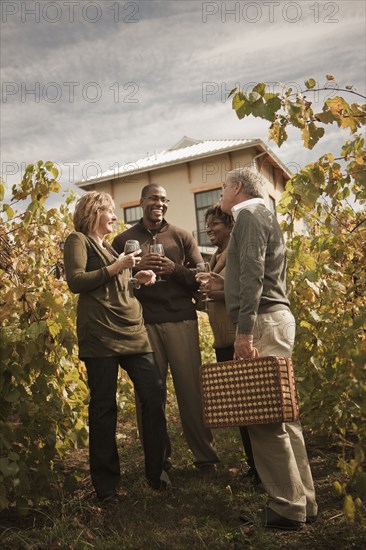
(203, 201)
(272, 205)
(132, 214)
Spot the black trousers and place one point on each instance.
(149, 387)
(226, 354)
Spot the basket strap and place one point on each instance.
(291, 377)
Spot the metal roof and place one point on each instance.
(185, 150)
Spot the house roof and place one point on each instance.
(187, 149)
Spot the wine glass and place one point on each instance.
(157, 248)
(204, 267)
(131, 246)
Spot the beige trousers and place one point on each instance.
(279, 449)
(177, 345)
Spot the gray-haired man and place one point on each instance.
(256, 300)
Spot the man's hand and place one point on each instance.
(167, 266)
(243, 346)
(161, 265)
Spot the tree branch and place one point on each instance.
(330, 89)
(358, 225)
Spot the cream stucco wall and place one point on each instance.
(182, 181)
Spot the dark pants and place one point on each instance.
(226, 354)
(149, 387)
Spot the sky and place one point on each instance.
(92, 85)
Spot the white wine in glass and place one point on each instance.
(204, 267)
(157, 248)
(131, 246)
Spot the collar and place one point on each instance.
(244, 204)
(164, 223)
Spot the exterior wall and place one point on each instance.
(182, 181)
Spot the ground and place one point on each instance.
(201, 512)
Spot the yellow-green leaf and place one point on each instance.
(349, 507)
(310, 83)
(54, 328)
(9, 212)
(260, 88)
(338, 487)
(311, 135)
(277, 133)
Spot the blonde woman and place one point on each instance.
(111, 333)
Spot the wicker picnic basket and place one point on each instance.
(257, 390)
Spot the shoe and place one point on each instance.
(271, 520)
(311, 519)
(110, 500)
(162, 484)
(206, 469)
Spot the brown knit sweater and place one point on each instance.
(170, 301)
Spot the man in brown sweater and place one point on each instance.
(170, 314)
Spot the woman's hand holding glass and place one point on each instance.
(203, 276)
(130, 257)
(215, 287)
(124, 261)
(128, 261)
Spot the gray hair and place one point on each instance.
(252, 182)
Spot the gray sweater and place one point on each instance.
(255, 277)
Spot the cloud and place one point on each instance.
(127, 88)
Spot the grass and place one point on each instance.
(200, 513)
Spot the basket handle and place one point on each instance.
(255, 355)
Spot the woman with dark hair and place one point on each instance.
(111, 333)
(218, 227)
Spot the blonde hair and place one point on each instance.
(88, 210)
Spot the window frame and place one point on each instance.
(272, 205)
(202, 238)
(134, 221)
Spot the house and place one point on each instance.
(192, 172)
